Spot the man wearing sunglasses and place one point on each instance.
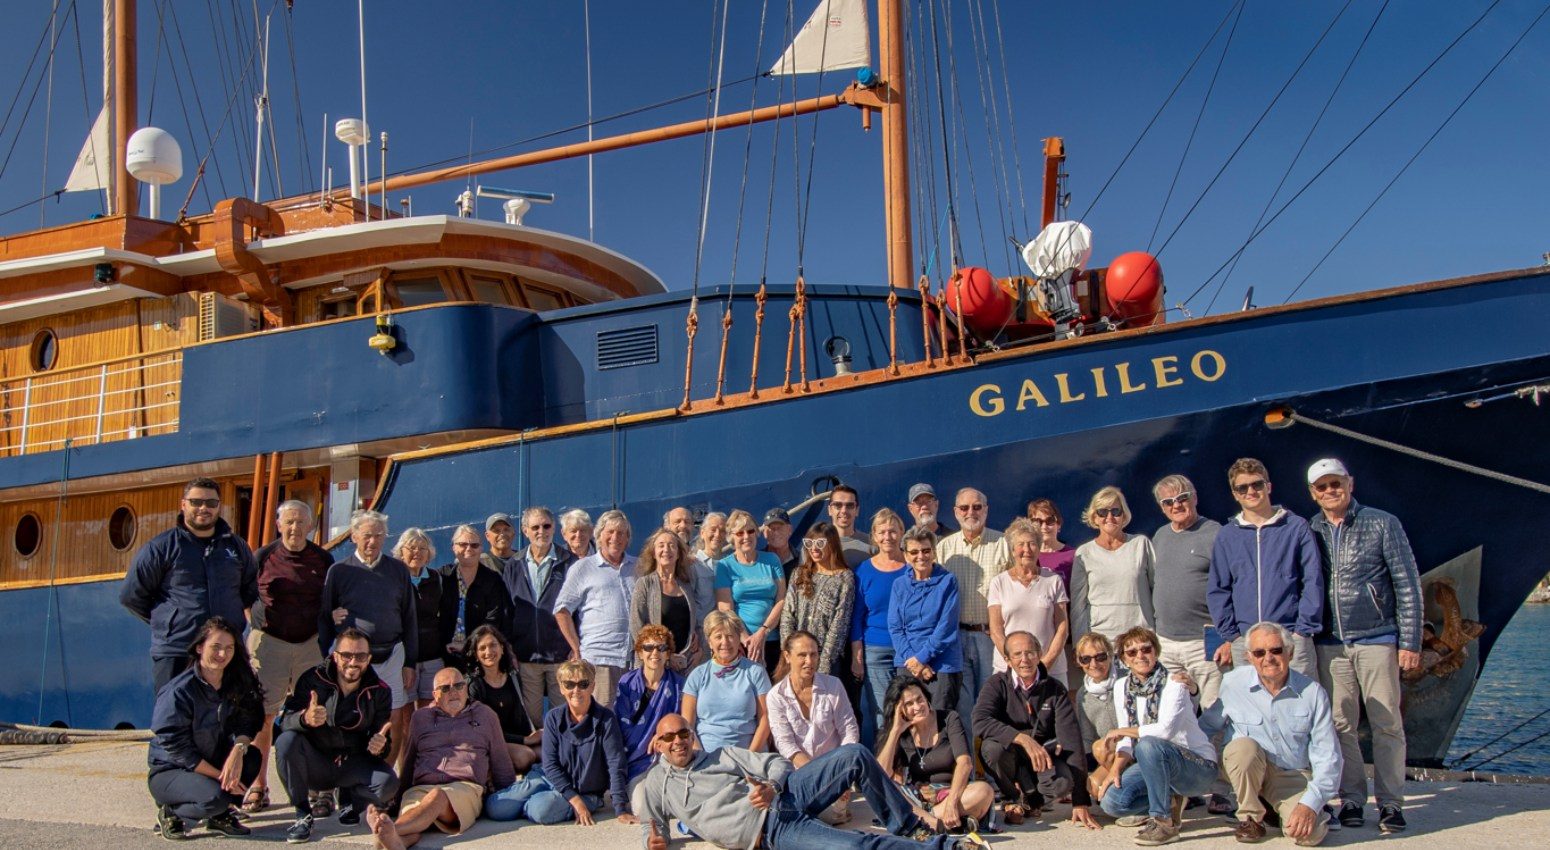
(1265, 566)
(844, 508)
(974, 554)
(1372, 631)
(1281, 740)
(189, 573)
(737, 798)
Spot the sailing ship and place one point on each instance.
(439, 367)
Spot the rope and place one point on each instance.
(1423, 455)
(707, 165)
(796, 335)
(38, 86)
(53, 589)
(805, 198)
(955, 244)
(979, 39)
(1011, 122)
(721, 361)
(925, 318)
(691, 327)
(758, 333)
(961, 133)
(1465, 757)
(893, 329)
(1512, 749)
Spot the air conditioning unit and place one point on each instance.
(220, 316)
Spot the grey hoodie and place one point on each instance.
(710, 796)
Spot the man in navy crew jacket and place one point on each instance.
(187, 574)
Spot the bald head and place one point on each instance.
(674, 740)
(450, 690)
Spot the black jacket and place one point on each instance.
(534, 635)
(1001, 714)
(352, 719)
(427, 606)
(485, 605)
(178, 580)
(193, 723)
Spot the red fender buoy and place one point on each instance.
(1134, 285)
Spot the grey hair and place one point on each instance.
(295, 505)
(1276, 629)
(1037, 646)
(961, 491)
(413, 534)
(614, 517)
(573, 518)
(920, 534)
(667, 515)
(1176, 483)
(537, 510)
(465, 528)
(363, 516)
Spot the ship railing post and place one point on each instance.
(26, 415)
(102, 393)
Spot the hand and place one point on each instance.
(583, 814)
(1188, 681)
(575, 653)
(656, 842)
(1110, 781)
(410, 675)
(858, 667)
(753, 646)
(1049, 660)
(379, 742)
(1409, 659)
(627, 819)
(926, 673)
(340, 615)
(315, 715)
(913, 665)
(231, 772)
(949, 811)
(1300, 824)
(1223, 655)
(760, 794)
(1081, 815)
(1038, 757)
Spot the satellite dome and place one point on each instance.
(155, 156)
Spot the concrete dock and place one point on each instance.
(94, 795)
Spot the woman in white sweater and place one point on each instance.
(1161, 755)
(1111, 577)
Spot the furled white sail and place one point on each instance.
(837, 36)
(92, 165)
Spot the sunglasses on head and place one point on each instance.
(1244, 488)
(1181, 499)
(680, 735)
(454, 686)
(1273, 650)
(1098, 657)
(575, 684)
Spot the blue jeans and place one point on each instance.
(1162, 769)
(548, 807)
(879, 672)
(793, 820)
(979, 662)
(510, 802)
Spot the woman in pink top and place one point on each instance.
(1026, 598)
(810, 714)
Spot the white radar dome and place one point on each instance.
(352, 131)
(155, 157)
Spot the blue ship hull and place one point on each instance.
(1059, 421)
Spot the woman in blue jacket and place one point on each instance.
(201, 761)
(923, 621)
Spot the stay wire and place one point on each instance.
(806, 199)
(1306, 140)
(31, 101)
(708, 160)
(301, 122)
(48, 107)
(1011, 121)
(80, 56)
(1471, 754)
(954, 242)
(1195, 128)
(742, 189)
(1422, 149)
(21, 84)
(177, 30)
(961, 131)
(1512, 749)
(980, 39)
(221, 128)
(1344, 149)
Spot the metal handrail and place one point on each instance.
(43, 393)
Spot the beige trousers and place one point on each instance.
(1253, 775)
(1190, 656)
(536, 681)
(1366, 677)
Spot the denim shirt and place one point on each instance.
(1295, 727)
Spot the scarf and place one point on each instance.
(1099, 689)
(1149, 691)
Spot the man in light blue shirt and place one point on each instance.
(597, 590)
(1281, 740)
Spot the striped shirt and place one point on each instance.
(598, 596)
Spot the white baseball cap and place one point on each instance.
(1327, 466)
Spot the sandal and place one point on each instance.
(1014, 813)
(256, 800)
(323, 805)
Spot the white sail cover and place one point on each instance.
(1063, 246)
(837, 36)
(91, 166)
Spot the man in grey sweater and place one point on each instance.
(735, 798)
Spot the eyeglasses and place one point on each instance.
(1138, 651)
(915, 553)
(203, 503)
(576, 684)
(1183, 498)
(744, 532)
(1098, 657)
(467, 544)
(1326, 486)
(843, 506)
(653, 647)
(1273, 650)
(1044, 521)
(352, 656)
(680, 735)
(543, 526)
(458, 686)
(1109, 512)
(815, 543)
(969, 509)
(1244, 488)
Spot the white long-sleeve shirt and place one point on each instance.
(1176, 721)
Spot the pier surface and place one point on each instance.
(94, 795)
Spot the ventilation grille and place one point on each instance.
(220, 316)
(627, 347)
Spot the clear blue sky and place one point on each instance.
(1091, 72)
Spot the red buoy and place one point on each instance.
(985, 307)
(1134, 286)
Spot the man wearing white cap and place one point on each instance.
(1372, 630)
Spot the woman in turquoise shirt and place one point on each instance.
(723, 699)
(751, 584)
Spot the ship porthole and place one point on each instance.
(29, 535)
(122, 527)
(45, 350)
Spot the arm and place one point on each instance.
(1175, 711)
(787, 743)
(172, 722)
(901, 640)
(761, 734)
(1324, 755)
(142, 584)
(410, 755)
(997, 625)
(654, 815)
(723, 588)
(833, 650)
(1081, 613)
(1310, 607)
(567, 625)
(989, 711)
(1408, 608)
(766, 766)
(788, 616)
(570, 598)
(944, 632)
(1147, 579)
(773, 619)
(502, 772)
(639, 615)
(1057, 643)
(1069, 733)
(249, 574)
(689, 708)
(850, 730)
(408, 614)
(326, 627)
(1219, 590)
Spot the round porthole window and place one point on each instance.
(45, 350)
(121, 528)
(29, 535)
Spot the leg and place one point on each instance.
(607, 682)
(821, 781)
(1305, 657)
(548, 807)
(190, 795)
(977, 798)
(510, 802)
(1056, 782)
(793, 829)
(522, 757)
(879, 672)
(1129, 797)
(1337, 673)
(1001, 762)
(978, 664)
(419, 816)
(530, 680)
(551, 690)
(1284, 789)
(164, 670)
(369, 779)
(302, 769)
(1246, 765)
(1377, 673)
(945, 690)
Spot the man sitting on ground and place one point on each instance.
(334, 733)
(454, 754)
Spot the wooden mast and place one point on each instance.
(896, 157)
(126, 193)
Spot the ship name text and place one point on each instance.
(1158, 373)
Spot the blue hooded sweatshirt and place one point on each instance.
(923, 621)
(1271, 572)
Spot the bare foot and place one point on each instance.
(386, 833)
(374, 814)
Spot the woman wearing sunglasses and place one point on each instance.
(1161, 755)
(1095, 704)
(1111, 577)
(751, 584)
(822, 597)
(647, 693)
(584, 755)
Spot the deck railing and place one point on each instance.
(118, 399)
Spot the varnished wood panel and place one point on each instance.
(83, 548)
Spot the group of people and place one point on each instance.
(746, 682)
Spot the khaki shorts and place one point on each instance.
(466, 798)
(278, 664)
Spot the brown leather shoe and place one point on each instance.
(1249, 831)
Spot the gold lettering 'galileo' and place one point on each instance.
(1030, 392)
(1164, 368)
(1168, 370)
(979, 404)
(1063, 381)
(1203, 360)
(1125, 386)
